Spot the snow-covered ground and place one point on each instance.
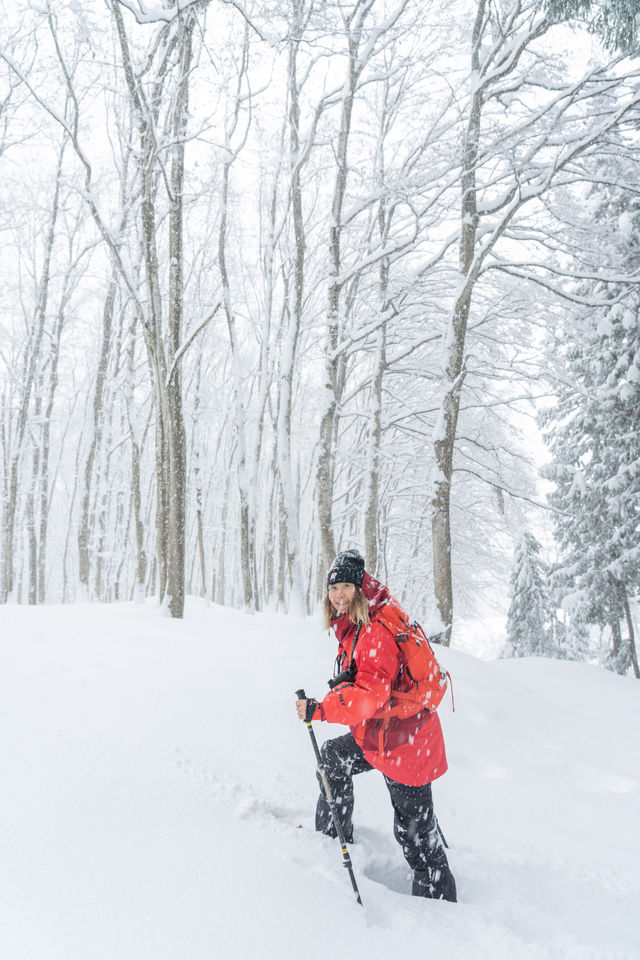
(158, 792)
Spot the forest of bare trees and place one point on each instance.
(279, 279)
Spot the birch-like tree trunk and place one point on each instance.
(177, 480)
(374, 436)
(32, 357)
(246, 458)
(453, 376)
(136, 443)
(95, 439)
(374, 432)
(289, 529)
(45, 492)
(324, 476)
(163, 337)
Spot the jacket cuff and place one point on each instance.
(318, 713)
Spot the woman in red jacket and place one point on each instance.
(408, 751)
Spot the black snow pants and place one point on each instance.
(415, 825)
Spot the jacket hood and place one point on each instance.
(375, 592)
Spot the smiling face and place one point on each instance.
(341, 596)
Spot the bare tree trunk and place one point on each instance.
(221, 571)
(32, 496)
(104, 518)
(176, 429)
(632, 637)
(67, 539)
(446, 426)
(197, 482)
(98, 521)
(170, 434)
(246, 551)
(324, 475)
(283, 562)
(247, 527)
(136, 453)
(374, 444)
(54, 357)
(290, 529)
(84, 529)
(32, 358)
(270, 546)
(32, 540)
(141, 556)
(374, 438)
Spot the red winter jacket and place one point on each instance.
(409, 750)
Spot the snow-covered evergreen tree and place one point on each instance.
(616, 22)
(577, 639)
(594, 434)
(573, 637)
(528, 622)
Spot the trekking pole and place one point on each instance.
(346, 859)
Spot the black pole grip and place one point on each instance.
(301, 695)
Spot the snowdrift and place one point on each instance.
(158, 796)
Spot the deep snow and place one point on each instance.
(158, 794)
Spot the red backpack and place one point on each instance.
(421, 683)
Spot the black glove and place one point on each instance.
(312, 707)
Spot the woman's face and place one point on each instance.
(341, 595)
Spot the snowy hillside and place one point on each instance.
(158, 794)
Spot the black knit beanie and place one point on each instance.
(348, 567)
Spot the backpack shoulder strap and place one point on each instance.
(355, 641)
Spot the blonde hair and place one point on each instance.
(358, 609)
